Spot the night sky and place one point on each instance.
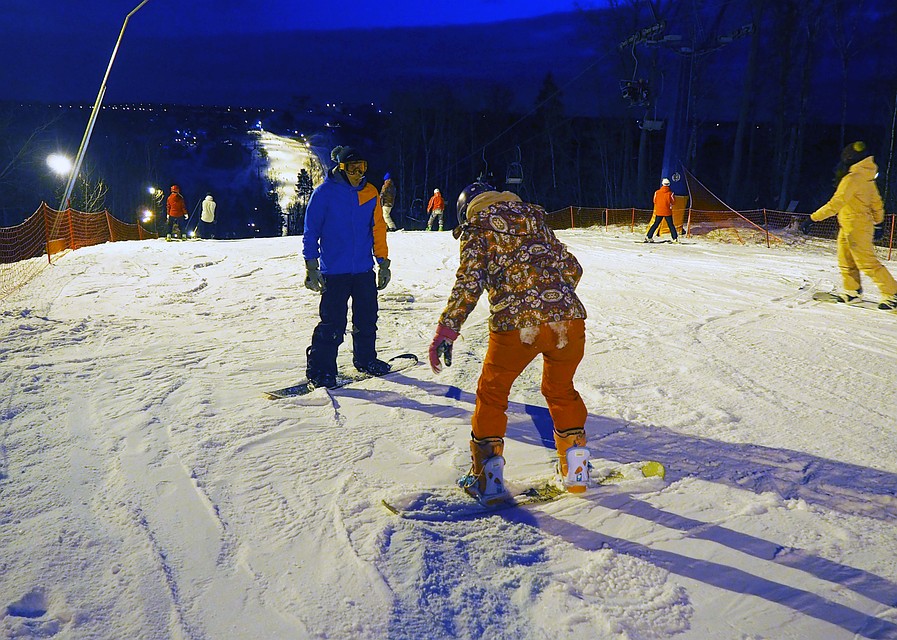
(58, 50)
(258, 16)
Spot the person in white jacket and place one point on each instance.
(206, 218)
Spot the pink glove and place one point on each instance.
(441, 347)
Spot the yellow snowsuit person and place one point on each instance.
(858, 205)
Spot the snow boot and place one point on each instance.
(849, 296)
(318, 377)
(573, 459)
(648, 239)
(374, 368)
(889, 303)
(485, 480)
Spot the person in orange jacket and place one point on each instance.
(436, 207)
(508, 250)
(177, 212)
(663, 210)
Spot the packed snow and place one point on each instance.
(149, 490)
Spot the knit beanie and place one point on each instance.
(854, 152)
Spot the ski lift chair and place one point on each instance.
(514, 174)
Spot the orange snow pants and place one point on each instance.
(507, 357)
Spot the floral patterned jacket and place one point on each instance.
(508, 250)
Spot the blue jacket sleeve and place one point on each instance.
(314, 222)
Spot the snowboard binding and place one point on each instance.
(577, 478)
(487, 487)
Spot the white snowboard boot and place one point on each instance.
(485, 481)
(573, 459)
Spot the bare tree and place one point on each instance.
(794, 150)
(846, 18)
(89, 193)
(747, 102)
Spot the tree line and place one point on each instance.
(769, 92)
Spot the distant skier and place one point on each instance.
(177, 213)
(509, 251)
(344, 234)
(387, 200)
(663, 210)
(206, 218)
(436, 209)
(857, 203)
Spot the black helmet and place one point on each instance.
(344, 156)
(341, 155)
(850, 155)
(470, 192)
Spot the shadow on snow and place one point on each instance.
(839, 486)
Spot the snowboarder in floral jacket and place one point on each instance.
(508, 250)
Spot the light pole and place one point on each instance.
(156, 195)
(82, 150)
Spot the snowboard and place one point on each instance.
(303, 387)
(823, 296)
(440, 505)
(455, 504)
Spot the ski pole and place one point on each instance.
(193, 215)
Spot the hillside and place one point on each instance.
(150, 491)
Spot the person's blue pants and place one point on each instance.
(656, 225)
(334, 310)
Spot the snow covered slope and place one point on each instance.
(147, 490)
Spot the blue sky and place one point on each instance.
(231, 16)
(58, 49)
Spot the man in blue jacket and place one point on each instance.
(344, 234)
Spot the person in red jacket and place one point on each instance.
(435, 208)
(177, 212)
(663, 210)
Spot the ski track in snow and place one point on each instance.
(148, 490)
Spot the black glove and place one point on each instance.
(879, 232)
(313, 278)
(805, 226)
(383, 274)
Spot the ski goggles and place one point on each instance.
(356, 168)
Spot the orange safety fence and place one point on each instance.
(48, 232)
(759, 225)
